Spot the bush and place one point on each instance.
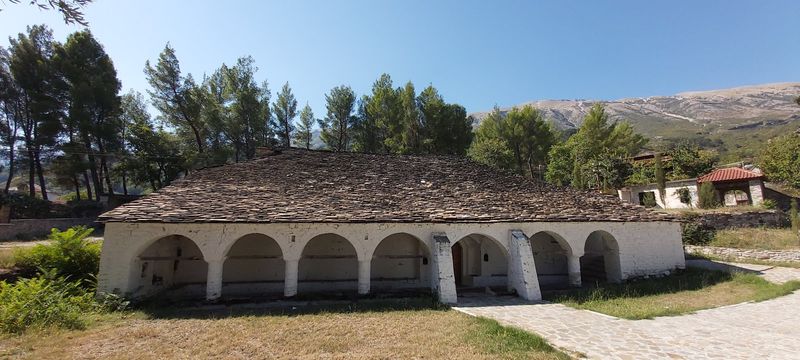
(69, 255)
(42, 302)
(26, 207)
(769, 204)
(696, 233)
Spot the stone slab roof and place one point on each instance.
(301, 186)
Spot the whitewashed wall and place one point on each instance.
(645, 248)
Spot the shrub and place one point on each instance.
(707, 196)
(794, 217)
(769, 204)
(684, 195)
(696, 233)
(26, 207)
(42, 302)
(649, 199)
(69, 255)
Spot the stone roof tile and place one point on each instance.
(319, 186)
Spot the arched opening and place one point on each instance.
(401, 263)
(480, 262)
(173, 265)
(328, 263)
(550, 254)
(600, 261)
(253, 266)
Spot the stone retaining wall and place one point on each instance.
(774, 255)
(750, 219)
(20, 229)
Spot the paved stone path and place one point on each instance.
(763, 330)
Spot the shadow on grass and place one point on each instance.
(161, 308)
(684, 280)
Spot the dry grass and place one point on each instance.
(6, 258)
(689, 291)
(757, 238)
(430, 334)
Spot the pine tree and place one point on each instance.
(337, 125)
(304, 135)
(285, 110)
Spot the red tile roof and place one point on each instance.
(729, 174)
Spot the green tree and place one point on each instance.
(412, 125)
(380, 125)
(561, 167)
(155, 159)
(250, 110)
(304, 135)
(707, 196)
(337, 125)
(11, 108)
(41, 92)
(597, 153)
(523, 132)
(94, 102)
(176, 97)
(780, 160)
(447, 129)
(690, 161)
(285, 110)
(794, 217)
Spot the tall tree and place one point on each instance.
(304, 134)
(661, 179)
(412, 134)
(597, 153)
(522, 136)
(176, 96)
(336, 126)
(250, 110)
(285, 110)
(11, 108)
(447, 128)
(380, 125)
(93, 110)
(41, 93)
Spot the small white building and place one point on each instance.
(733, 186)
(298, 222)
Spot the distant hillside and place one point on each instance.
(735, 121)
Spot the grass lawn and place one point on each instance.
(374, 332)
(757, 238)
(685, 292)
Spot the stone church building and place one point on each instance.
(300, 222)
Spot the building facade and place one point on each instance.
(307, 222)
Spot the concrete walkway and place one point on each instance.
(764, 330)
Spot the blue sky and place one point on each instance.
(477, 53)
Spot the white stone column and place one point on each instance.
(290, 277)
(214, 280)
(756, 192)
(522, 269)
(574, 270)
(363, 276)
(444, 277)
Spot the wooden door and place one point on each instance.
(457, 257)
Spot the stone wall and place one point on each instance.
(32, 228)
(774, 255)
(750, 219)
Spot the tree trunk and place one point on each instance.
(98, 186)
(40, 172)
(31, 173)
(88, 187)
(10, 168)
(107, 173)
(77, 187)
(124, 182)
